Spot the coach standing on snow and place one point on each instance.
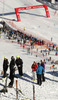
(5, 66)
(19, 64)
(12, 71)
(43, 65)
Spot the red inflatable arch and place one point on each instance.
(31, 7)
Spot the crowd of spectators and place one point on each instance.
(19, 36)
(27, 39)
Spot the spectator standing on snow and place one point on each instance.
(19, 64)
(39, 72)
(12, 71)
(43, 65)
(5, 66)
(51, 38)
(34, 67)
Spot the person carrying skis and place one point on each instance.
(12, 71)
(5, 66)
(19, 64)
(43, 65)
(39, 72)
(34, 67)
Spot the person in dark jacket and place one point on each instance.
(19, 64)
(39, 72)
(43, 65)
(5, 66)
(12, 71)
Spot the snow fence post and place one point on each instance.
(16, 89)
(33, 92)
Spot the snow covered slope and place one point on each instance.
(34, 21)
(47, 91)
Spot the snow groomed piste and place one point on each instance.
(19, 93)
(48, 90)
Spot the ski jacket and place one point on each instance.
(19, 62)
(43, 65)
(40, 70)
(34, 67)
(5, 64)
(12, 64)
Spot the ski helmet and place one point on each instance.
(5, 57)
(17, 56)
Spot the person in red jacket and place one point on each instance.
(34, 67)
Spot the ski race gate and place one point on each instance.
(31, 7)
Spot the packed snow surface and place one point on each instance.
(35, 22)
(47, 91)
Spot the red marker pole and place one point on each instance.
(16, 90)
(33, 92)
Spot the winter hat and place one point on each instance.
(5, 57)
(17, 56)
(12, 57)
(38, 63)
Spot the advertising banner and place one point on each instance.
(31, 7)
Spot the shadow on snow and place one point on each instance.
(55, 73)
(25, 77)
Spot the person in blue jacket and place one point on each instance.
(39, 72)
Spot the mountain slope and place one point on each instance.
(34, 20)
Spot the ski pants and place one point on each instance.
(34, 75)
(4, 72)
(43, 78)
(20, 71)
(12, 80)
(39, 81)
